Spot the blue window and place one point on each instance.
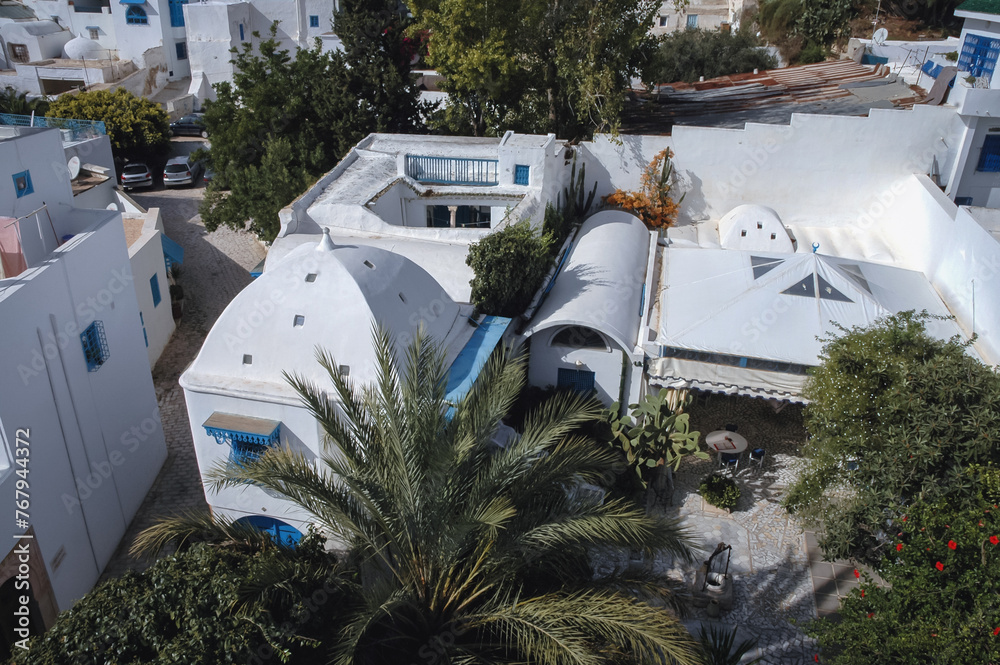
(154, 288)
(313, 21)
(95, 346)
(177, 13)
(136, 16)
(579, 380)
(22, 184)
(521, 174)
(241, 32)
(281, 532)
(248, 438)
(989, 156)
(143, 324)
(182, 50)
(979, 55)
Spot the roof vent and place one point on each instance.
(247, 359)
(299, 321)
(369, 264)
(311, 277)
(325, 243)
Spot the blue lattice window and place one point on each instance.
(579, 380)
(521, 174)
(989, 156)
(154, 289)
(979, 55)
(314, 21)
(182, 50)
(248, 438)
(136, 16)
(95, 346)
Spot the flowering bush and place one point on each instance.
(652, 204)
(719, 491)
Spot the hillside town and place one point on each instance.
(602, 331)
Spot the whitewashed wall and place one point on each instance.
(545, 361)
(146, 259)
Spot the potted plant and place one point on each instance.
(720, 491)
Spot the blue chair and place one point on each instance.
(730, 460)
(757, 457)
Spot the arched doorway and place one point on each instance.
(281, 532)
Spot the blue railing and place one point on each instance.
(79, 129)
(452, 170)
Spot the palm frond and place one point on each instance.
(193, 525)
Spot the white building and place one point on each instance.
(74, 377)
(700, 14)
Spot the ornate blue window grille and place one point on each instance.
(989, 156)
(248, 438)
(979, 55)
(521, 174)
(452, 170)
(314, 21)
(177, 13)
(95, 346)
(579, 380)
(136, 16)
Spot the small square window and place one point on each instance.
(692, 21)
(22, 184)
(241, 32)
(521, 174)
(94, 33)
(95, 346)
(313, 21)
(154, 288)
(311, 277)
(345, 370)
(299, 321)
(663, 21)
(247, 359)
(182, 50)
(369, 264)
(743, 233)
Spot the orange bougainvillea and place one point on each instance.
(652, 204)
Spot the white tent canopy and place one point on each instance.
(750, 322)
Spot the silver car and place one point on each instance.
(136, 175)
(181, 171)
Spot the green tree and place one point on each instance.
(11, 101)
(509, 266)
(689, 54)
(804, 26)
(464, 550)
(185, 609)
(896, 416)
(940, 603)
(536, 65)
(136, 126)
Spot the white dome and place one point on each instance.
(754, 228)
(81, 48)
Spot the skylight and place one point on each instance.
(763, 265)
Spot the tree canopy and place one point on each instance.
(896, 417)
(509, 267)
(536, 66)
(136, 126)
(688, 54)
(285, 120)
(460, 549)
(12, 101)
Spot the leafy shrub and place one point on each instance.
(719, 491)
(688, 54)
(812, 52)
(509, 267)
(951, 56)
(653, 203)
(821, 22)
(136, 126)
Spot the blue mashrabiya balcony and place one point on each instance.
(247, 437)
(452, 170)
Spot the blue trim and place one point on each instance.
(131, 2)
(522, 174)
(22, 184)
(472, 358)
(80, 129)
(172, 252)
(154, 288)
(95, 346)
(314, 21)
(552, 282)
(452, 170)
(281, 532)
(642, 301)
(989, 156)
(241, 32)
(979, 55)
(136, 15)
(177, 13)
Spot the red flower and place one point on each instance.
(946, 526)
(857, 574)
(871, 614)
(933, 634)
(939, 565)
(980, 522)
(994, 540)
(816, 658)
(862, 593)
(904, 518)
(952, 544)
(996, 631)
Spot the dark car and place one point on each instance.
(189, 125)
(136, 175)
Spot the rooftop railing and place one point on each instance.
(452, 170)
(73, 130)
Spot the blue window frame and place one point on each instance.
(248, 438)
(314, 21)
(979, 55)
(281, 532)
(521, 174)
(579, 380)
(154, 288)
(241, 32)
(136, 16)
(22, 184)
(177, 13)
(95, 346)
(182, 50)
(989, 156)
(143, 324)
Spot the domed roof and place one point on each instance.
(755, 228)
(322, 296)
(81, 48)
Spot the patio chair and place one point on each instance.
(757, 457)
(730, 460)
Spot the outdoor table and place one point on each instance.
(724, 441)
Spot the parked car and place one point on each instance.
(208, 175)
(181, 171)
(136, 174)
(189, 125)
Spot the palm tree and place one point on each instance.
(11, 101)
(464, 551)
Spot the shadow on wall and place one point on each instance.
(694, 207)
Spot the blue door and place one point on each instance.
(281, 532)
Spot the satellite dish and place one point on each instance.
(880, 36)
(74, 167)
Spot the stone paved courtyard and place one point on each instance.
(216, 268)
